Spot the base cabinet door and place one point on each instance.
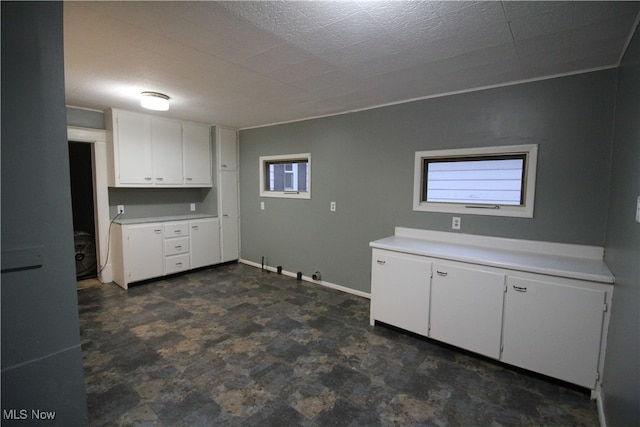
(466, 307)
(554, 329)
(205, 242)
(143, 256)
(400, 290)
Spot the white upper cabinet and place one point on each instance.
(151, 151)
(227, 149)
(131, 150)
(196, 144)
(166, 138)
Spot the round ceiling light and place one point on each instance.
(154, 101)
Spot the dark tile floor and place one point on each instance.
(235, 346)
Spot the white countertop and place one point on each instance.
(149, 219)
(595, 270)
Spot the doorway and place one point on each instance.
(81, 174)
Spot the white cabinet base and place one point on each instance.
(540, 306)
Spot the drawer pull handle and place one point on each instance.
(520, 288)
(381, 262)
(178, 264)
(189, 179)
(177, 231)
(158, 231)
(442, 273)
(159, 178)
(194, 227)
(224, 166)
(178, 247)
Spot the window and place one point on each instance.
(287, 176)
(482, 181)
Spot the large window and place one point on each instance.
(286, 176)
(482, 181)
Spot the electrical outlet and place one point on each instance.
(456, 222)
(120, 209)
(332, 206)
(192, 207)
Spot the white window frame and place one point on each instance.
(264, 170)
(529, 187)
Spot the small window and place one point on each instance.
(482, 181)
(287, 176)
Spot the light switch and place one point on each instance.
(261, 205)
(638, 210)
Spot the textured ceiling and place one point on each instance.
(246, 64)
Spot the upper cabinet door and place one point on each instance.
(133, 135)
(227, 149)
(196, 146)
(166, 137)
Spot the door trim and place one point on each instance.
(98, 140)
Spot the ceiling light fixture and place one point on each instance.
(154, 101)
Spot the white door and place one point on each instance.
(400, 290)
(134, 149)
(205, 242)
(553, 329)
(466, 307)
(144, 258)
(197, 154)
(166, 135)
(229, 218)
(226, 142)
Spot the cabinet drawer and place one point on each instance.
(178, 245)
(176, 229)
(176, 263)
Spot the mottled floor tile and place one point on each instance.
(235, 346)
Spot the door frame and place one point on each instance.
(98, 140)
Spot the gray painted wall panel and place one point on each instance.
(40, 330)
(621, 380)
(364, 162)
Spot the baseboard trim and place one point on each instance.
(597, 395)
(310, 280)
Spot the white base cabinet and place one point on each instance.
(150, 250)
(466, 307)
(545, 310)
(401, 285)
(554, 328)
(205, 242)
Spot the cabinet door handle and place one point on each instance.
(224, 166)
(381, 262)
(520, 288)
(441, 273)
(225, 215)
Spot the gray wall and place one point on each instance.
(41, 354)
(364, 162)
(621, 382)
